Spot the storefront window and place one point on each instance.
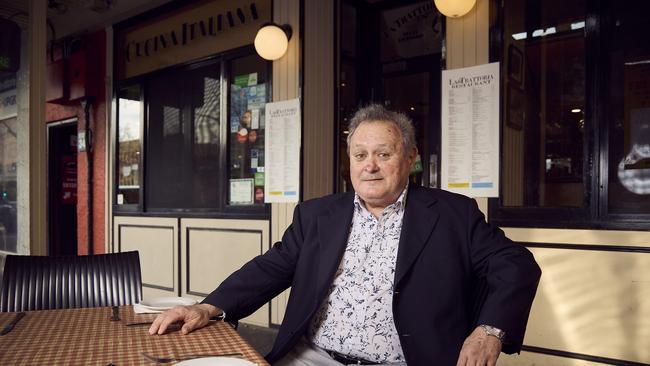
(183, 139)
(129, 146)
(629, 112)
(8, 163)
(247, 94)
(576, 114)
(192, 159)
(544, 110)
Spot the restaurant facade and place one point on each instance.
(155, 133)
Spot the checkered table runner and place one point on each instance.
(86, 336)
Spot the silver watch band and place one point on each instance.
(493, 331)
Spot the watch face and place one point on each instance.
(496, 332)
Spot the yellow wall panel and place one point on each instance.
(592, 302)
(212, 249)
(593, 237)
(156, 239)
(214, 254)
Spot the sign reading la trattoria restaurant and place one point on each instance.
(188, 33)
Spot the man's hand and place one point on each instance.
(479, 349)
(193, 317)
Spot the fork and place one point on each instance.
(187, 357)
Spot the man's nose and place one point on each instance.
(371, 165)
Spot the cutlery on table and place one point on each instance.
(187, 357)
(172, 327)
(9, 327)
(115, 315)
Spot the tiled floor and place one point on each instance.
(261, 338)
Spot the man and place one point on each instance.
(389, 274)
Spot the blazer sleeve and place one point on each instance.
(509, 273)
(262, 278)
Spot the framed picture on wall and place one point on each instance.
(515, 65)
(515, 107)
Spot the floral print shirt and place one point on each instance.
(356, 318)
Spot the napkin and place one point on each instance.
(141, 309)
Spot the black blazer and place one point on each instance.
(453, 272)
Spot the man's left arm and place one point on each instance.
(511, 276)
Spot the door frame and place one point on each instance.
(58, 124)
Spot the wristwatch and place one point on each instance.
(493, 331)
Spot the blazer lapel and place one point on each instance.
(420, 218)
(333, 232)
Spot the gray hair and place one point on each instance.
(378, 113)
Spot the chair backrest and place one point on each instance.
(41, 283)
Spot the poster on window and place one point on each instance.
(470, 130)
(247, 100)
(69, 180)
(282, 151)
(8, 107)
(241, 192)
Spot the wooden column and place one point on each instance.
(468, 45)
(286, 85)
(37, 131)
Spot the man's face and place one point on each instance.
(379, 166)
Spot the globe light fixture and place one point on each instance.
(272, 41)
(454, 8)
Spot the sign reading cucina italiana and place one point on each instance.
(189, 33)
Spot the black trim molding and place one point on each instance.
(581, 356)
(600, 248)
(164, 288)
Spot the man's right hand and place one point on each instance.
(193, 317)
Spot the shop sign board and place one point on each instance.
(191, 33)
(410, 31)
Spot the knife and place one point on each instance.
(9, 327)
(173, 326)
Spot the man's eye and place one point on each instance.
(384, 155)
(359, 156)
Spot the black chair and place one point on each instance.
(42, 283)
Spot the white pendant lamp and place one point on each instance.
(454, 8)
(272, 41)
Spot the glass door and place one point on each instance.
(390, 53)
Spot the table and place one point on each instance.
(87, 336)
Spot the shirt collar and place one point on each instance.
(399, 204)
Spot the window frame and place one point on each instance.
(594, 213)
(222, 209)
(130, 207)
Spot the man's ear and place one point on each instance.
(413, 155)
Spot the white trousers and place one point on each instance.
(306, 354)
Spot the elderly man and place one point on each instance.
(389, 274)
